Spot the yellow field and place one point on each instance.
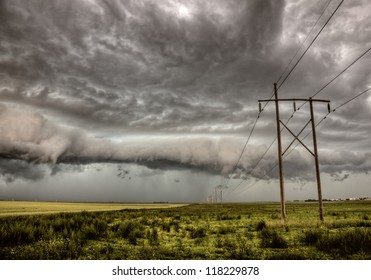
(10, 208)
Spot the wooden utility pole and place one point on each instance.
(280, 165)
(296, 137)
(319, 188)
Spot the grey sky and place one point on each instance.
(168, 89)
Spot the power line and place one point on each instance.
(338, 75)
(263, 155)
(256, 165)
(266, 151)
(262, 109)
(314, 39)
(346, 102)
(332, 80)
(247, 141)
(243, 150)
(330, 112)
(302, 44)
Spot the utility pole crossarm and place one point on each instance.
(295, 99)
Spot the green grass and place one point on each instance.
(198, 231)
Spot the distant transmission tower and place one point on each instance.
(217, 195)
(314, 153)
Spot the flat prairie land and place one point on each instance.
(14, 208)
(194, 231)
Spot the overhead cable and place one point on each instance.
(302, 44)
(330, 112)
(306, 50)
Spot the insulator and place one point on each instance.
(294, 106)
(260, 107)
(329, 107)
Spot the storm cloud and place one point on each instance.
(173, 85)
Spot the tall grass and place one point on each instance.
(55, 236)
(343, 243)
(231, 231)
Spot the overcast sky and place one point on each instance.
(153, 100)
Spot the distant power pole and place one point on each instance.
(219, 193)
(296, 137)
(216, 195)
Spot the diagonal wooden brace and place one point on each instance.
(297, 137)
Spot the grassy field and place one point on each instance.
(197, 231)
(11, 208)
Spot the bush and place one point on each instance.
(226, 229)
(131, 231)
(311, 237)
(225, 217)
(153, 237)
(198, 232)
(271, 239)
(261, 225)
(166, 227)
(126, 228)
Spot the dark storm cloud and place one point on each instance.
(140, 64)
(11, 170)
(145, 73)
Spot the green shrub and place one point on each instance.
(176, 226)
(271, 239)
(226, 229)
(311, 237)
(261, 225)
(127, 228)
(225, 217)
(153, 237)
(198, 232)
(166, 227)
